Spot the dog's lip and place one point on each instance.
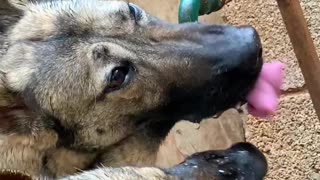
(142, 121)
(237, 107)
(191, 117)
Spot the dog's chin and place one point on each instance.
(213, 113)
(160, 126)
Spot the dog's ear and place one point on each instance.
(15, 116)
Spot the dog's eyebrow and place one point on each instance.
(119, 51)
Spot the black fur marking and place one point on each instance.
(66, 136)
(100, 131)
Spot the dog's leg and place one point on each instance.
(62, 162)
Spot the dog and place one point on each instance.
(89, 90)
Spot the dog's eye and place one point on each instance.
(118, 77)
(135, 12)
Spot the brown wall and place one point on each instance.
(291, 139)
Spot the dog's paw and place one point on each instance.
(242, 161)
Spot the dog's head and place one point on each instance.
(99, 72)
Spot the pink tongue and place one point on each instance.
(263, 99)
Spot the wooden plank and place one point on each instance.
(303, 46)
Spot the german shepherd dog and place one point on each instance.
(89, 89)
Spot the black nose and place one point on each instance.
(247, 46)
(249, 161)
(235, 48)
(241, 161)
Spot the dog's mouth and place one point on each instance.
(159, 124)
(237, 107)
(197, 105)
(198, 118)
(219, 76)
(228, 90)
(191, 117)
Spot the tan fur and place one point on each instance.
(127, 173)
(59, 114)
(24, 153)
(63, 162)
